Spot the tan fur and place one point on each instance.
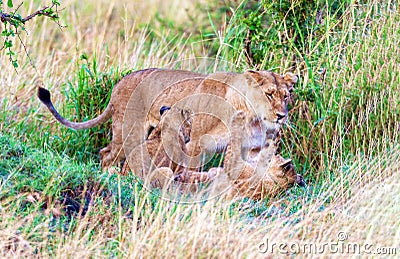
(278, 176)
(262, 176)
(193, 177)
(152, 154)
(266, 91)
(265, 175)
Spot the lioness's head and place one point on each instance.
(276, 90)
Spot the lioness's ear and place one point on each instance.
(291, 79)
(255, 75)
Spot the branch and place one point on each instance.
(12, 21)
(45, 11)
(247, 47)
(41, 12)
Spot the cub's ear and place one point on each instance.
(286, 165)
(164, 109)
(300, 180)
(291, 79)
(254, 75)
(186, 113)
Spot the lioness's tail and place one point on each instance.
(44, 96)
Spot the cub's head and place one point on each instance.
(174, 120)
(271, 105)
(281, 172)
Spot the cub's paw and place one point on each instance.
(238, 118)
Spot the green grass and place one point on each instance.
(342, 135)
(51, 204)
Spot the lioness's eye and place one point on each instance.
(286, 97)
(269, 95)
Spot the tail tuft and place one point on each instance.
(44, 95)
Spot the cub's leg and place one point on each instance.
(161, 177)
(199, 177)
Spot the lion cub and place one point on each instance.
(264, 175)
(165, 146)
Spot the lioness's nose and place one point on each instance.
(280, 115)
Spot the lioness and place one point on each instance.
(263, 95)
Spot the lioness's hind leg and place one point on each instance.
(115, 155)
(111, 155)
(114, 152)
(104, 154)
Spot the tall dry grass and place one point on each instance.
(365, 215)
(114, 31)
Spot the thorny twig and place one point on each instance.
(16, 20)
(12, 19)
(247, 46)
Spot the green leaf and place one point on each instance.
(84, 56)
(10, 3)
(8, 43)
